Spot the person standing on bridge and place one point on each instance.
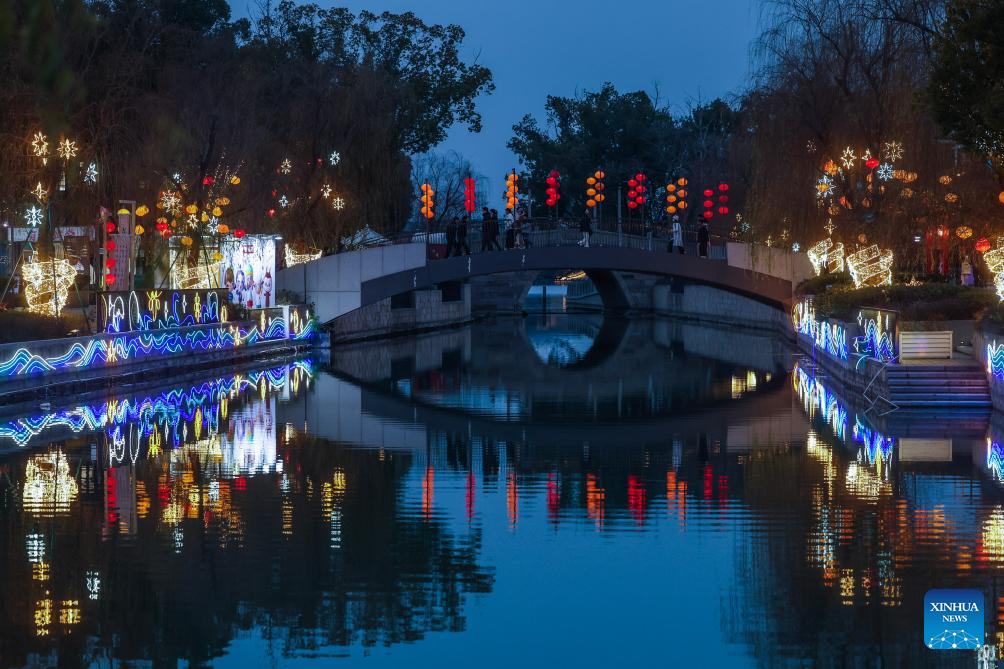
(677, 243)
(703, 239)
(451, 238)
(509, 229)
(494, 229)
(586, 228)
(486, 229)
(462, 236)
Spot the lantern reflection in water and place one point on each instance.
(49, 488)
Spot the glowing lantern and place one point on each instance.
(592, 181)
(110, 227)
(511, 189)
(589, 191)
(217, 256)
(239, 233)
(161, 226)
(632, 204)
(708, 192)
(1000, 197)
(708, 215)
(191, 208)
(554, 186)
(222, 228)
(670, 209)
(640, 177)
(872, 163)
(681, 182)
(186, 241)
(110, 245)
(724, 211)
(632, 183)
(982, 244)
(594, 190)
(470, 199)
(142, 210)
(862, 238)
(110, 279)
(110, 263)
(217, 212)
(139, 230)
(235, 180)
(963, 232)
(599, 174)
(208, 180)
(590, 203)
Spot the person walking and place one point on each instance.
(462, 236)
(703, 239)
(451, 237)
(524, 229)
(677, 243)
(508, 229)
(486, 229)
(493, 230)
(586, 228)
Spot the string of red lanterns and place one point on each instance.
(470, 203)
(553, 186)
(636, 191)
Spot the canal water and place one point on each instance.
(559, 490)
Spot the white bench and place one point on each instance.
(925, 344)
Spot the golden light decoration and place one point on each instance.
(49, 487)
(951, 198)
(139, 230)
(217, 212)
(326, 191)
(892, 151)
(906, 193)
(862, 238)
(40, 146)
(186, 241)
(338, 203)
(188, 277)
(848, 158)
(40, 192)
(286, 166)
(944, 180)
(995, 263)
(142, 210)
(47, 284)
(223, 228)
(871, 266)
(831, 168)
(67, 149)
(222, 201)
(191, 208)
(826, 256)
(963, 232)
(235, 180)
(294, 258)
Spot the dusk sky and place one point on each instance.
(689, 50)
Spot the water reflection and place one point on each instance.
(361, 507)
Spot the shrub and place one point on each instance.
(926, 302)
(24, 326)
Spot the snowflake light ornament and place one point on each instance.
(848, 158)
(338, 203)
(326, 191)
(824, 187)
(40, 146)
(33, 217)
(91, 174)
(283, 201)
(334, 158)
(884, 172)
(285, 166)
(40, 192)
(67, 149)
(171, 202)
(892, 151)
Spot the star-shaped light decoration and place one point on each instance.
(796, 247)
(67, 149)
(40, 146)
(170, 202)
(892, 151)
(848, 158)
(829, 227)
(824, 187)
(285, 166)
(884, 172)
(40, 192)
(334, 158)
(33, 217)
(91, 174)
(326, 191)
(176, 177)
(283, 201)
(338, 203)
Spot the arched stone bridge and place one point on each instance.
(341, 283)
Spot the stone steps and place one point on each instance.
(938, 386)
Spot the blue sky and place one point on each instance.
(689, 49)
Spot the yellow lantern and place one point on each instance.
(222, 228)
(217, 211)
(123, 212)
(671, 199)
(186, 241)
(1000, 197)
(671, 187)
(191, 208)
(964, 232)
(670, 209)
(139, 230)
(681, 182)
(590, 192)
(235, 180)
(142, 210)
(204, 217)
(590, 203)
(683, 204)
(217, 256)
(222, 201)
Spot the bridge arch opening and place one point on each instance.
(574, 290)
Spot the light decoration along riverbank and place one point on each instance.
(47, 284)
(826, 256)
(877, 341)
(871, 266)
(159, 309)
(106, 350)
(164, 414)
(995, 359)
(294, 258)
(827, 336)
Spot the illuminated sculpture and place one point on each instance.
(46, 285)
(826, 256)
(202, 275)
(995, 263)
(294, 258)
(871, 266)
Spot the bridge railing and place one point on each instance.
(546, 233)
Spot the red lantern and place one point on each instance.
(641, 189)
(110, 245)
(551, 191)
(640, 199)
(723, 186)
(110, 227)
(872, 163)
(723, 211)
(551, 181)
(109, 279)
(110, 263)
(723, 198)
(551, 202)
(632, 183)
(632, 194)
(708, 192)
(208, 180)
(470, 202)
(708, 204)
(982, 244)
(161, 226)
(640, 176)
(708, 215)
(632, 204)
(239, 233)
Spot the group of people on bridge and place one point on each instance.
(513, 232)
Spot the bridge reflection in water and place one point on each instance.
(460, 483)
